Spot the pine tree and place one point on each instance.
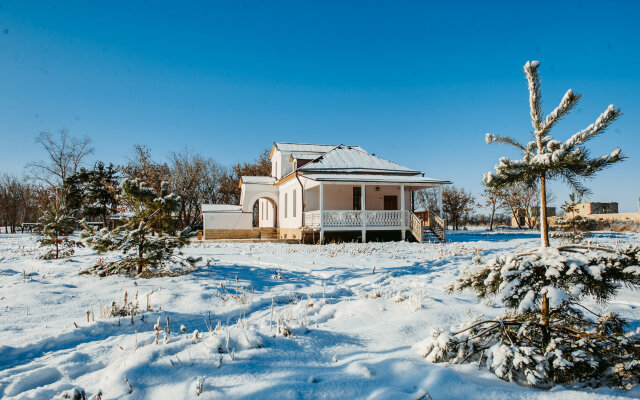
(148, 237)
(547, 336)
(93, 192)
(574, 228)
(570, 343)
(545, 158)
(56, 224)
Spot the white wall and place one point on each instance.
(227, 220)
(275, 162)
(290, 221)
(312, 198)
(252, 192)
(375, 199)
(281, 165)
(340, 197)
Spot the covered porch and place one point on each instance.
(371, 203)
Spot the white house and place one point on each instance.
(314, 189)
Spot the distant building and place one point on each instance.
(590, 208)
(531, 219)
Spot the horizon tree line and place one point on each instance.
(91, 192)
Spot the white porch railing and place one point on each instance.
(342, 218)
(311, 219)
(353, 219)
(384, 218)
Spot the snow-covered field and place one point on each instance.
(344, 324)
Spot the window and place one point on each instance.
(390, 202)
(261, 210)
(294, 199)
(286, 204)
(357, 198)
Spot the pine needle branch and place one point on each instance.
(535, 94)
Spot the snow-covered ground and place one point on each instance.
(355, 313)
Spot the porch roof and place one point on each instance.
(377, 178)
(260, 180)
(220, 208)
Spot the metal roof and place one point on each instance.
(354, 159)
(307, 147)
(375, 178)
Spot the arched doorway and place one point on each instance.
(264, 213)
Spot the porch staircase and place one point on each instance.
(431, 229)
(429, 236)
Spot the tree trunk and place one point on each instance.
(57, 248)
(493, 211)
(544, 320)
(544, 229)
(140, 253)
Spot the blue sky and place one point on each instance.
(419, 83)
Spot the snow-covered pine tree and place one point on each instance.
(547, 336)
(545, 158)
(573, 228)
(147, 237)
(56, 224)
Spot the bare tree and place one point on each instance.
(196, 180)
(229, 189)
(457, 205)
(494, 199)
(142, 166)
(212, 183)
(65, 154)
(530, 204)
(19, 201)
(426, 199)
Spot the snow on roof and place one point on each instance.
(353, 159)
(304, 147)
(307, 147)
(262, 180)
(375, 178)
(220, 208)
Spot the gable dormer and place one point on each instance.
(281, 165)
(286, 157)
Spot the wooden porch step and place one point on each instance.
(429, 236)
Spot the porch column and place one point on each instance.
(363, 200)
(321, 212)
(402, 218)
(440, 201)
